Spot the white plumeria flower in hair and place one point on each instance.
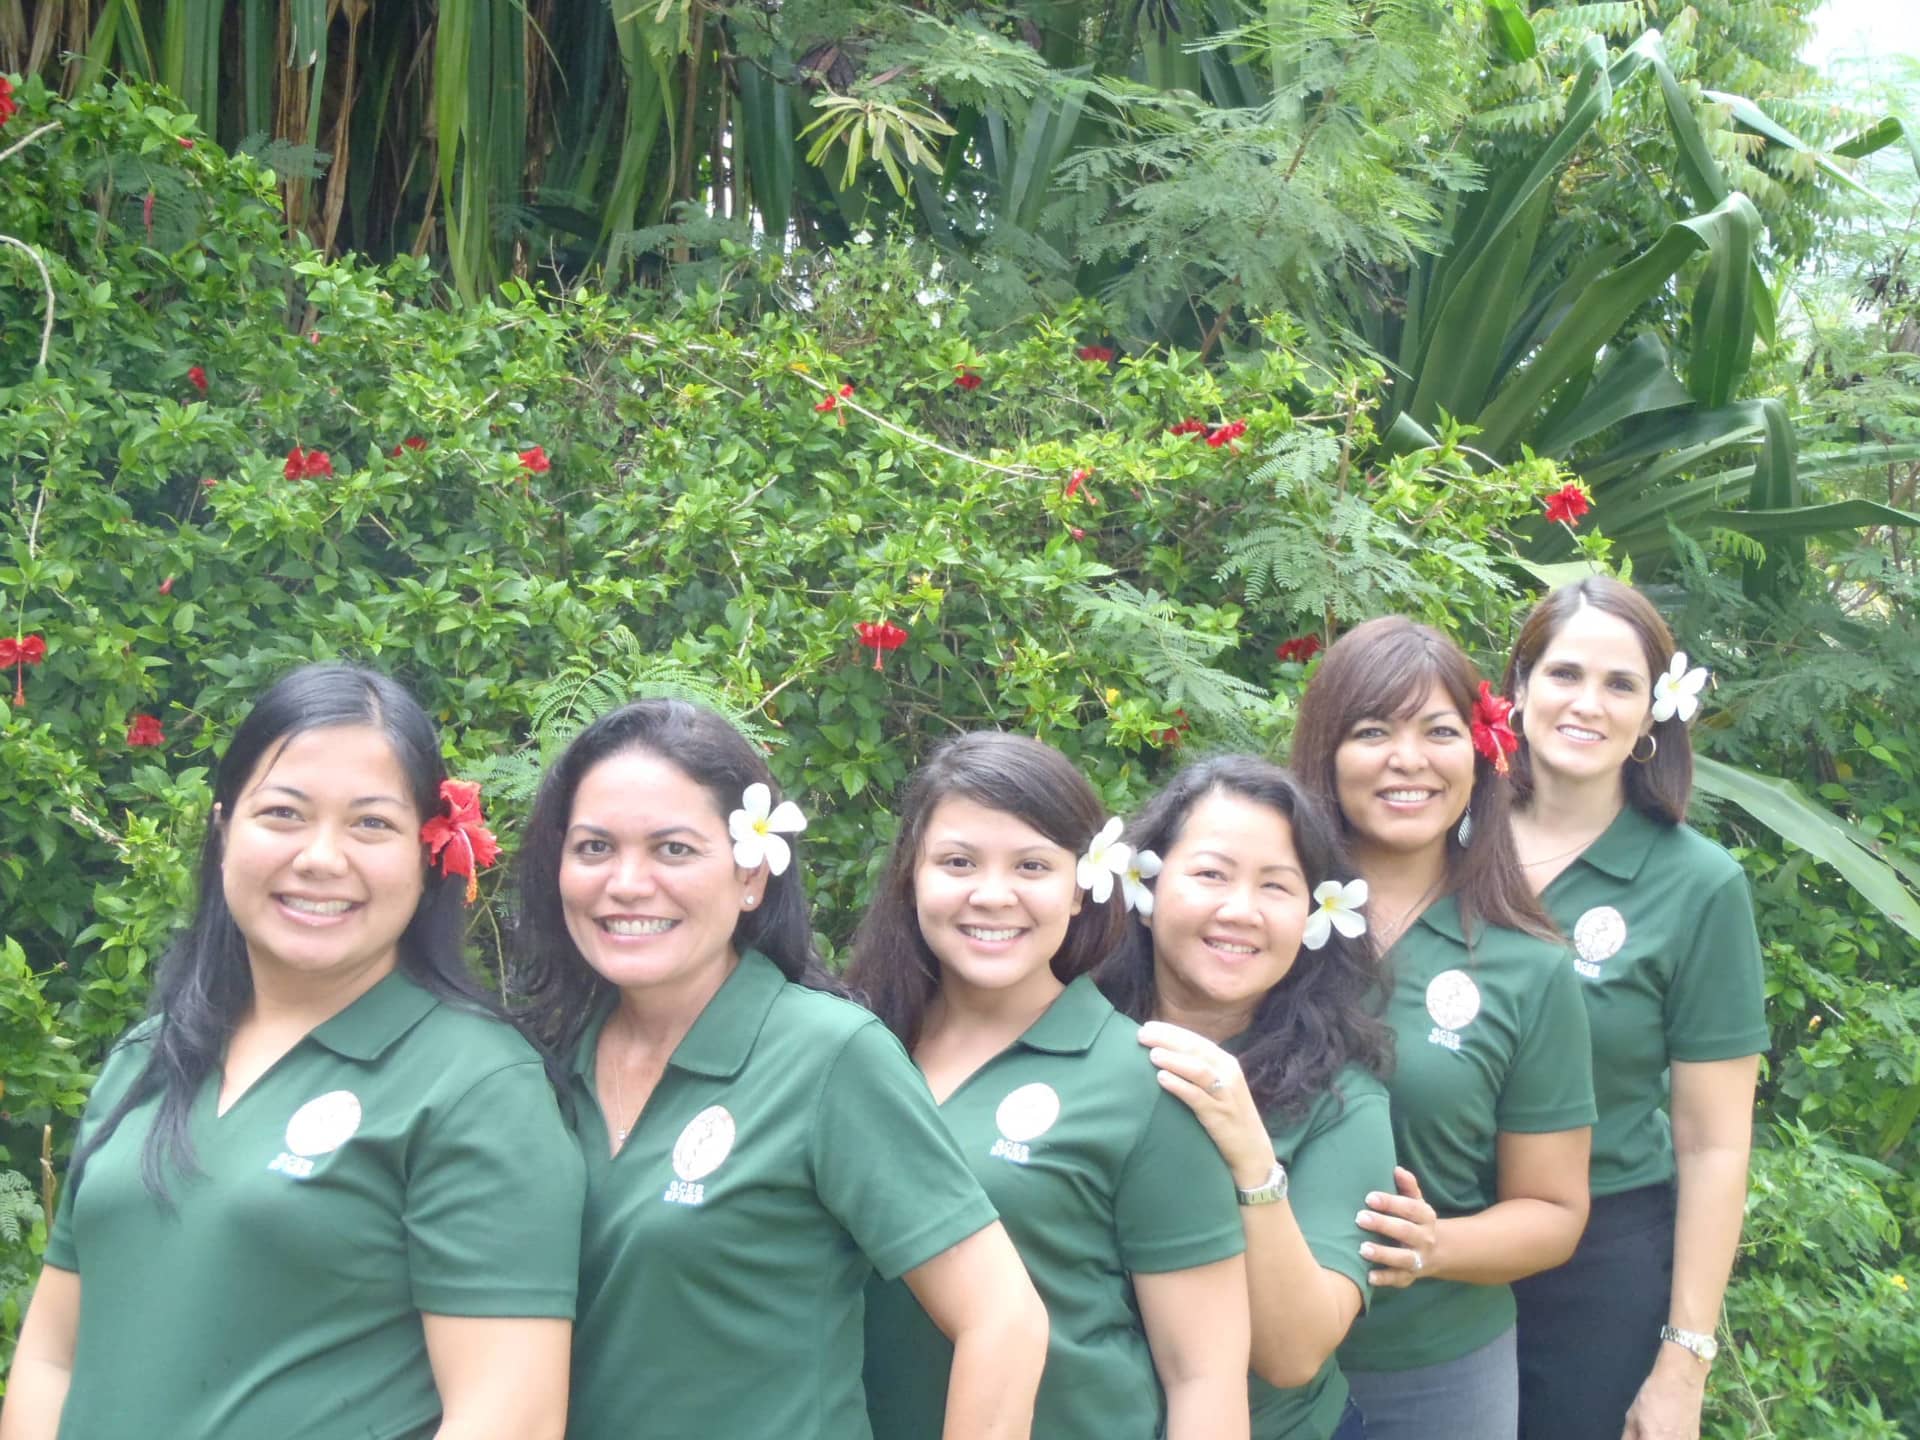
(1337, 907)
(756, 832)
(1106, 857)
(1678, 691)
(1133, 881)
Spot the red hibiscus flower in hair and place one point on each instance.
(880, 636)
(1566, 505)
(145, 730)
(534, 458)
(1493, 737)
(1298, 650)
(459, 842)
(197, 377)
(307, 464)
(1095, 354)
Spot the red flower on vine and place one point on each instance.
(1566, 505)
(1077, 484)
(534, 458)
(1493, 737)
(459, 841)
(880, 636)
(1232, 430)
(307, 464)
(19, 654)
(967, 380)
(1188, 427)
(7, 107)
(1298, 650)
(1095, 354)
(145, 730)
(1171, 735)
(832, 401)
(197, 377)
(412, 442)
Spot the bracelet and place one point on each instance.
(1268, 1191)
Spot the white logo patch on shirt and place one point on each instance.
(319, 1127)
(702, 1146)
(1452, 1000)
(1597, 937)
(1026, 1114)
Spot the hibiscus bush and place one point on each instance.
(810, 489)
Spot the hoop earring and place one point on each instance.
(1465, 832)
(1653, 749)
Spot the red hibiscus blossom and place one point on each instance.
(536, 461)
(197, 377)
(967, 380)
(879, 636)
(307, 464)
(1095, 354)
(1232, 430)
(1493, 737)
(166, 586)
(18, 654)
(1566, 505)
(1077, 533)
(1188, 427)
(145, 730)
(7, 107)
(459, 841)
(413, 442)
(832, 401)
(1171, 735)
(1298, 650)
(1077, 484)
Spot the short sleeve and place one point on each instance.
(1333, 1170)
(1716, 1004)
(124, 1064)
(493, 1203)
(1550, 1085)
(1174, 1206)
(885, 1165)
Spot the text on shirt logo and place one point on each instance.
(319, 1127)
(1452, 1000)
(1024, 1115)
(1597, 937)
(707, 1140)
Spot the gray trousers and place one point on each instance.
(1476, 1397)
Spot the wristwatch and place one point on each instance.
(1702, 1347)
(1269, 1190)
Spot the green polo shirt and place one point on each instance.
(1336, 1152)
(1098, 1174)
(406, 1156)
(789, 1151)
(1669, 965)
(1488, 1038)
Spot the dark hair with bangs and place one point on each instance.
(893, 970)
(557, 991)
(1383, 669)
(1659, 788)
(1324, 1014)
(205, 985)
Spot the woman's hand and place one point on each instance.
(1409, 1222)
(1209, 1081)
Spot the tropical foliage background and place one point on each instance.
(879, 371)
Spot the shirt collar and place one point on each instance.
(1624, 845)
(1443, 918)
(1072, 1023)
(368, 1027)
(722, 1037)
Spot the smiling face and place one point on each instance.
(321, 863)
(1588, 699)
(1403, 781)
(993, 897)
(648, 886)
(1228, 907)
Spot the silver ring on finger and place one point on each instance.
(1218, 1083)
(1419, 1262)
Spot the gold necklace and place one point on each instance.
(620, 1105)
(1549, 859)
(1389, 937)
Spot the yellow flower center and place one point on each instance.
(760, 826)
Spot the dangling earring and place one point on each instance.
(1465, 832)
(1653, 749)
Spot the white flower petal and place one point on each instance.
(1319, 927)
(740, 826)
(1102, 887)
(1109, 832)
(1349, 922)
(787, 817)
(749, 849)
(1694, 681)
(779, 855)
(1137, 896)
(1686, 707)
(1118, 858)
(758, 800)
(1355, 893)
(1328, 890)
(1085, 871)
(1146, 864)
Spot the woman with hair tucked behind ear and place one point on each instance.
(1618, 1340)
(756, 1146)
(1492, 1088)
(998, 898)
(1251, 964)
(296, 1206)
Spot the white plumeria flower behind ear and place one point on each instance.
(1106, 857)
(1133, 881)
(1678, 691)
(1337, 907)
(755, 831)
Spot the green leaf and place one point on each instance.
(1511, 30)
(1803, 521)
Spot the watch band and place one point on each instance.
(1268, 1191)
(1702, 1347)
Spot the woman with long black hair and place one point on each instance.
(296, 1205)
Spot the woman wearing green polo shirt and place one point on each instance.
(756, 1146)
(976, 953)
(1620, 1337)
(1492, 1090)
(1276, 1048)
(292, 1209)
